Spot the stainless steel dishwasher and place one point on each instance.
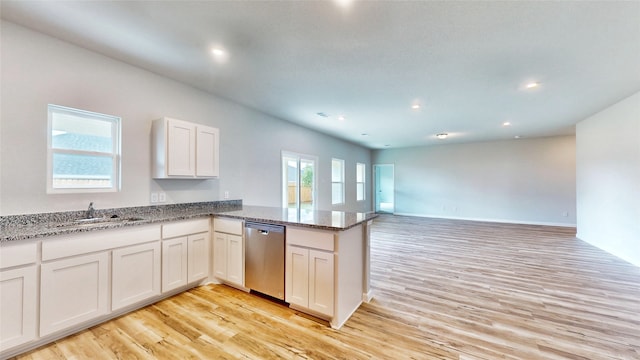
(264, 259)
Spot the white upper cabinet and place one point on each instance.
(207, 158)
(185, 150)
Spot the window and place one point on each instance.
(298, 181)
(84, 151)
(337, 181)
(360, 181)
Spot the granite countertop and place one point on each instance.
(328, 220)
(22, 227)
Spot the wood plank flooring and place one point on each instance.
(443, 289)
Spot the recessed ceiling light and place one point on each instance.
(442, 135)
(517, 137)
(218, 52)
(321, 114)
(532, 85)
(341, 117)
(364, 134)
(415, 106)
(387, 145)
(506, 123)
(344, 3)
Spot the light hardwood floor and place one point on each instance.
(444, 289)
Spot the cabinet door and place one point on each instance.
(207, 156)
(235, 259)
(174, 263)
(181, 146)
(17, 306)
(198, 246)
(135, 274)
(321, 284)
(220, 255)
(72, 291)
(297, 276)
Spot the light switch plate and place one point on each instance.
(154, 198)
(162, 197)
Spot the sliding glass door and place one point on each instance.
(298, 181)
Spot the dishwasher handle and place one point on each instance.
(264, 229)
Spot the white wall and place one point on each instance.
(38, 70)
(608, 183)
(522, 181)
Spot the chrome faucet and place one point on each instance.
(91, 212)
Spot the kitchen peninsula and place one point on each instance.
(131, 257)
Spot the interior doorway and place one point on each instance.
(384, 188)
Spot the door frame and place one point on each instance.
(376, 184)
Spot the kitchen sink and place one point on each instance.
(98, 221)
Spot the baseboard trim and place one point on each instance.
(502, 221)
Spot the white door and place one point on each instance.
(174, 263)
(207, 157)
(235, 259)
(220, 255)
(135, 274)
(198, 258)
(321, 284)
(181, 147)
(73, 291)
(17, 306)
(297, 276)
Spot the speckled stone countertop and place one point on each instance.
(22, 227)
(328, 220)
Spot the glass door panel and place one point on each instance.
(384, 188)
(298, 182)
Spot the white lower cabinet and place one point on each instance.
(235, 260)
(135, 274)
(73, 290)
(18, 311)
(174, 263)
(80, 274)
(309, 281)
(321, 284)
(197, 256)
(18, 294)
(185, 253)
(228, 251)
(324, 272)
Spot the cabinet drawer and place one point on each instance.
(229, 226)
(183, 228)
(18, 254)
(78, 244)
(316, 239)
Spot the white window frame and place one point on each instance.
(362, 181)
(340, 182)
(114, 154)
(284, 181)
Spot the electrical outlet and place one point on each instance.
(455, 209)
(565, 214)
(154, 198)
(162, 197)
(226, 194)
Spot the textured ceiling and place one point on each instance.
(465, 63)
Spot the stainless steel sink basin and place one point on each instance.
(97, 222)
